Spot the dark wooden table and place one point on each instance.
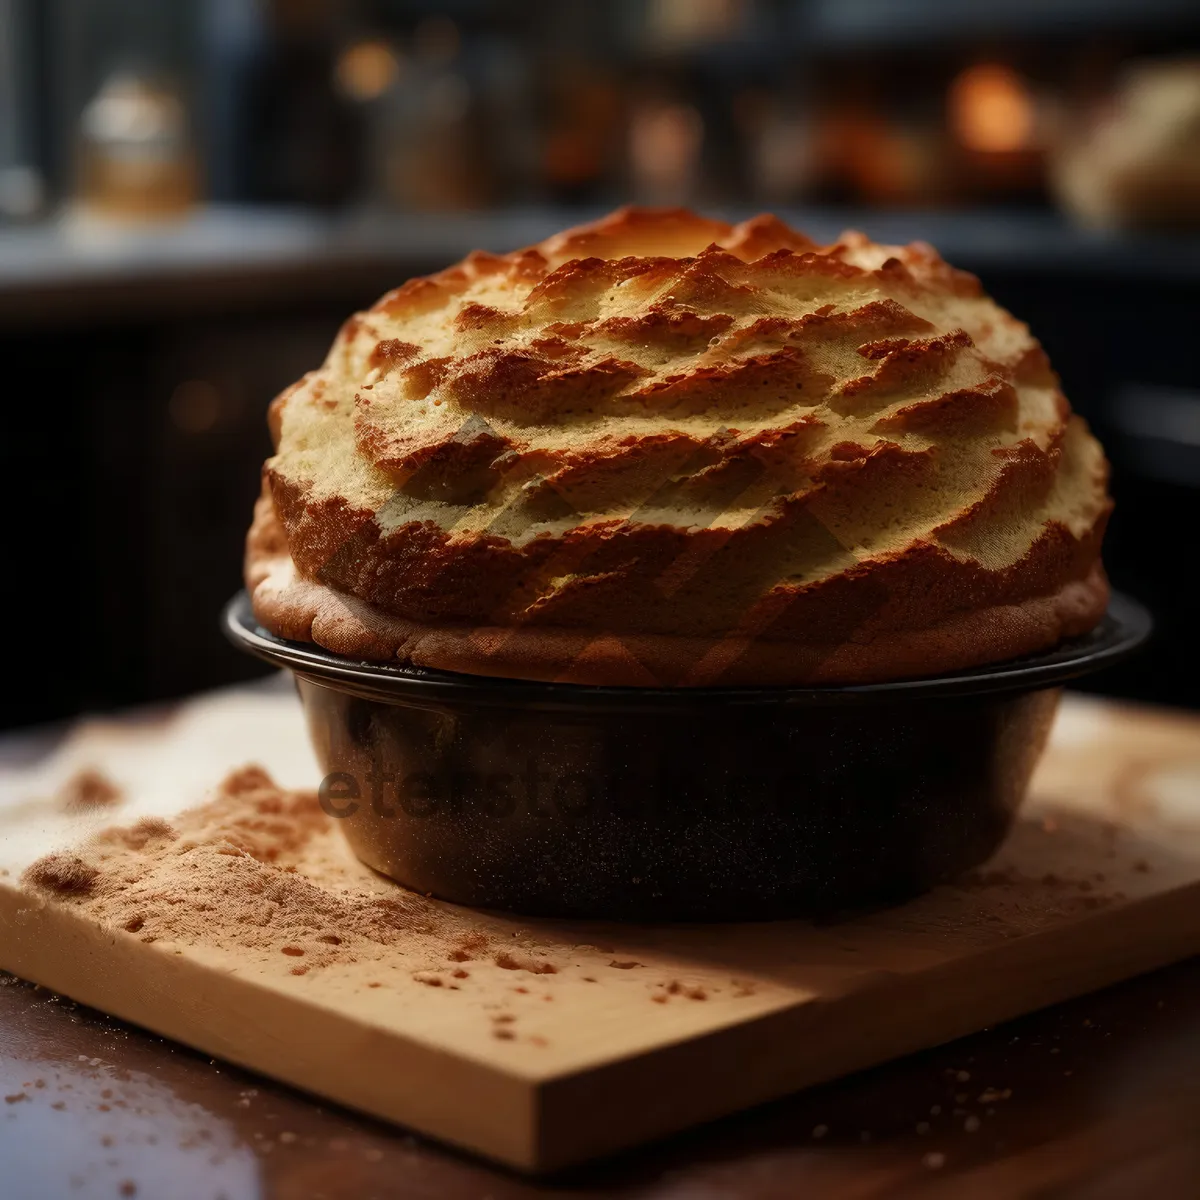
(1098, 1098)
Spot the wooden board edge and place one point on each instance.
(563, 1121)
(589, 1114)
(463, 1102)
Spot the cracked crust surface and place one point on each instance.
(661, 450)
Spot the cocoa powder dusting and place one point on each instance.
(232, 873)
(89, 788)
(66, 874)
(138, 835)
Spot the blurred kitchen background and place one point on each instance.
(194, 193)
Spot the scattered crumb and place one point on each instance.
(16, 1098)
(294, 951)
(509, 961)
(624, 966)
(469, 946)
(504, 1033)
(934, 1160)
(675, 988)
(971, 1124)
(429, 978)
(128, 1188)
(819, 1131)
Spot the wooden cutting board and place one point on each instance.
(637, 1031)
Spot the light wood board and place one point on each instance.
(1101, 880)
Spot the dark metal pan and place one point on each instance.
(677, 804)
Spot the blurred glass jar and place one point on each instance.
(431, 158)
(136, 159)
(428, 150)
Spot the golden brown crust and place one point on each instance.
(662, 450)
(301, 610)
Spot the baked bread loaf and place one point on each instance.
(659, 450)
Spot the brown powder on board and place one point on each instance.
(232, 872)
(262, 872)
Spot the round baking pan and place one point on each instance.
(677, 804)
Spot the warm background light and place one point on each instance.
(664, 145)
(367, 69)
(991, 109)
